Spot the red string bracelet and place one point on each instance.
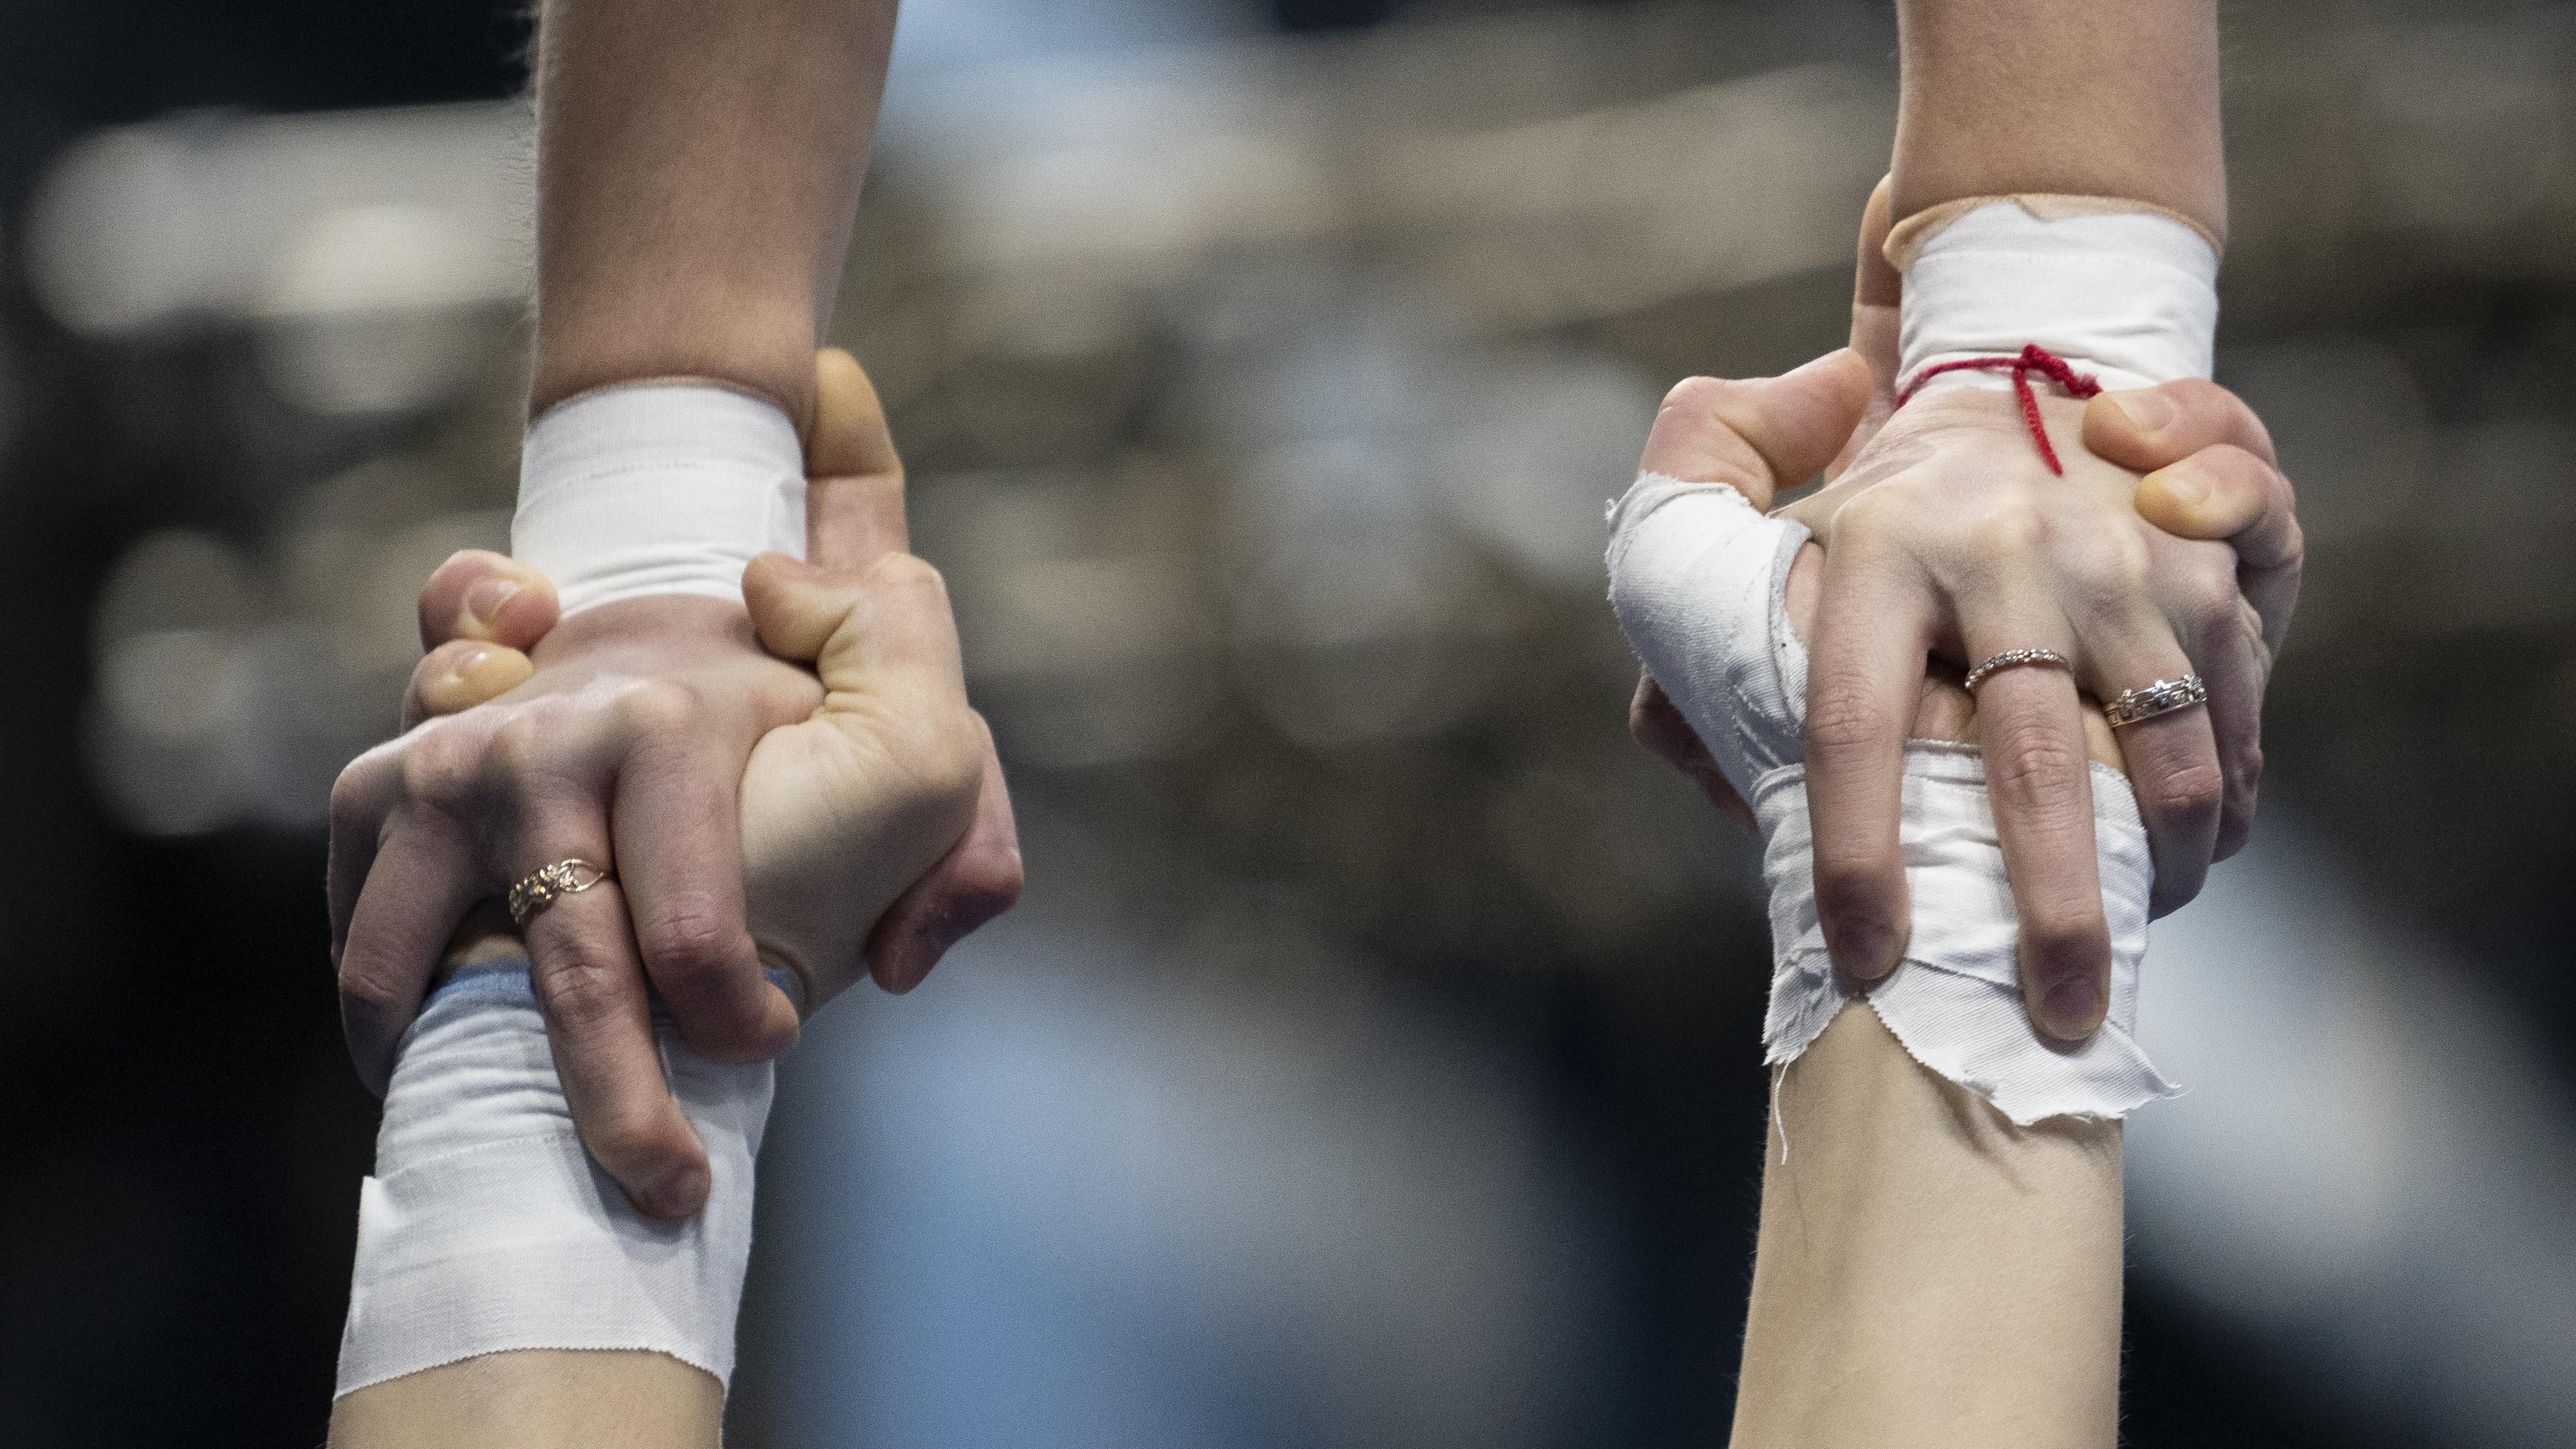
(2032, 358)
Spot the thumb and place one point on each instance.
(881, 627)
(854, 491)
(1761, 435)
(1878, 289)
(1877, 325)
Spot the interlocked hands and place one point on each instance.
(1940, 538)
(844, 821)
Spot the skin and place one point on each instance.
(1889, 1158)
(698, 169)
(1948, 538)
(840, 815)
(1926, 1273)
(692, 236)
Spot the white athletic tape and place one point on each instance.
(657, 488)
(486, 1228)
(1698, 580)
(2130, 297)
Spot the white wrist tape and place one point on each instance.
(2130, 297)
(486, 1228)
(657, 488)
(1698, 579)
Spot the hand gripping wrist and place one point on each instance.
(1698, 580)
(657, 488)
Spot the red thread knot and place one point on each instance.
(2032, 358)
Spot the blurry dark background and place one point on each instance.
(1374, 1060)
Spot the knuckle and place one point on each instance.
(353, 796)
(2188, 797)
(2042, 770)
(1884, 511)
(658, 708)
(691, 938)
(526, 743)
(439, 768)
(366, 993)
(990, 887)
(2005, 533)
(2201, 583)
(578, 996)
(1845, 715)
(1693, 394)
(911, 573)
(949, 773)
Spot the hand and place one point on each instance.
(797, 858)
(2214, 480)
(677, 733)
(625, 747)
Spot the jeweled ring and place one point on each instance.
(2162, 697)
(2017, 659)
(538, 888)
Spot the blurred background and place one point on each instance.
(1375, 1058)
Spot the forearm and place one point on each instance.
(1926, 1272)
(537, 1399)
(2006, 96)
(506, 1295)
(698, 168)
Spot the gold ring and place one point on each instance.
(538, 888)
(2162, 697)
(2017, 659)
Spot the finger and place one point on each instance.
(2038, 778)
(361, 798)
(2224, 493)
(978, 879)
(679, 844)
(1759, 435)
(885, 629)
(589, 983)
(416, 890)
(460, 674)
(2197, 588)
(1875, 280)
(1864, 676)
(854, 501)
(1877, 296)
(1657, 724)
(2143, 429)
(481, 595)
(2171, 759)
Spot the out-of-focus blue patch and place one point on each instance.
(506, 980)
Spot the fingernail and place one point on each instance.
(680, 1193)
(2072, 1009)
(485, 599)
(2148, 411)
(2187, 487)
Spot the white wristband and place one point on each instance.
(486, 1228)
(1698, 580)
(657, 488)
(2129, 297)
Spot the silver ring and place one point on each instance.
(2162, 697)
(2017, 659)
(538, 888)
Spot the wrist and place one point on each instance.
(2127, 295)
(657, 488)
